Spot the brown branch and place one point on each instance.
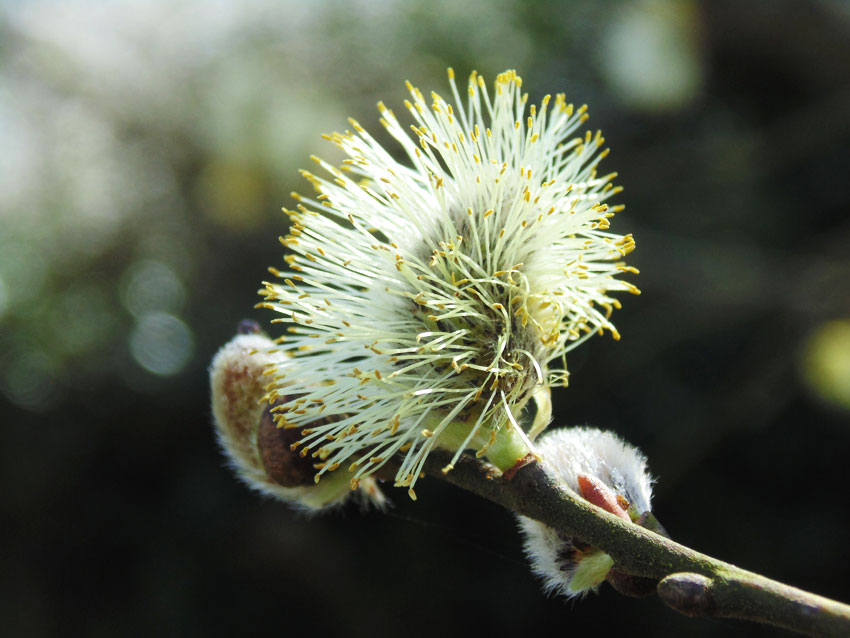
(690, 582)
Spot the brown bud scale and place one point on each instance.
(283, 465)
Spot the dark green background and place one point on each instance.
(182, 126)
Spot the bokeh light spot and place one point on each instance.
(82, 318)
(152, 286)
(651, 58)
(161, 343)
(28, 380)
(826, 362)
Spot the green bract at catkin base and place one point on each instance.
(427, 302)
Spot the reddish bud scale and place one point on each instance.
(596, 492)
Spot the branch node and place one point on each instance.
(631, 585)
(521, 463)
(688, 593)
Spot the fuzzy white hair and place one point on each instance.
(571, 452)
(565, 564)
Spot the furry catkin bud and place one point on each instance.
(263, 455)
(605, 471)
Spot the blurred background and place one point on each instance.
(147, 148)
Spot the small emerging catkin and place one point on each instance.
(608, 472)
(259, 451)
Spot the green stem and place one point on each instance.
(503, 451)
(508, 448)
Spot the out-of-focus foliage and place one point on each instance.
(827, 362)
(147, 147)
(650, 56)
